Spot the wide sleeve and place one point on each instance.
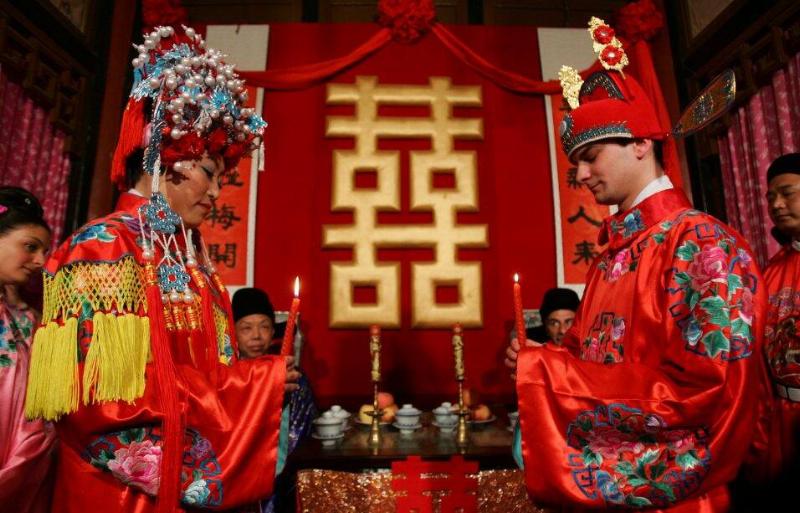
(656, 431)
(93, 342)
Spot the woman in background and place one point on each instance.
(25, 446)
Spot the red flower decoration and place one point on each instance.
(639, 20)
(603, 34)
(217, 141)
(612, 55)
(407, 19)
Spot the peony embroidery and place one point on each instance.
(138, 465)
(134, 456)
(627, 457)
(708, 266)
(714, 289)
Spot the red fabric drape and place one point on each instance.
(767, 127)
(301, 77)
(32, 153)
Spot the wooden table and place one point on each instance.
(490, 445)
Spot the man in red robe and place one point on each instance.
(135, 358)
(649, 401)
(782, 340)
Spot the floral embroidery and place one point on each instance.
(630, 225)
(16, 326)
(616, 265)
(715, 295)
(604, 343)
(781, 335)
(627, 457)
(137, 465)
(96, 231)
(134, 457)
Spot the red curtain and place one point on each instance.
(767, 127)
(32, 153)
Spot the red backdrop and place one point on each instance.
(515, 202)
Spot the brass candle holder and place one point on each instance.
(462, 435)
(375, 354)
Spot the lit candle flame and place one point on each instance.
(516, 278)
(296, 286)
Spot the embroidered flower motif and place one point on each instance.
(3, 209)
(159, 215)
(746, 309)
(200, 449)
(618, 266)
(604, 344)
(626, 456)
(133, 456)
(617, 328)
(609, 441)
(138, 465)
(95, 231)
(197, 493)
(707, 267)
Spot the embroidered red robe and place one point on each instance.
(648, 403)
(92, 370)
(782, 343)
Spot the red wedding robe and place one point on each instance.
(111, 418)
(649, 401)
(782, 342)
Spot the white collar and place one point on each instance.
(796, 245)
(662, 183)
(135, 192)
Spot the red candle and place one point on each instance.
(288, 336)
(519, 319)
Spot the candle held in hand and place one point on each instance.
(288, 336)
(519, 318)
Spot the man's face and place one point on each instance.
(783, 200)
(254, 334)
(557, 324)
(611, 171)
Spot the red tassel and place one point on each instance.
(166, 379)
(130, 138)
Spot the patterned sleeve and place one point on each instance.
(93, 340)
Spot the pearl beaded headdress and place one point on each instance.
(197, 107)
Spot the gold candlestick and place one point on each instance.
(375, 354)
(462, 436)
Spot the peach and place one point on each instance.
(365, 413)
(481, 412)
(385, 399)
(389, 413)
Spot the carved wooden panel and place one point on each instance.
(244, 11)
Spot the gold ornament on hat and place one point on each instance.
(571, 83)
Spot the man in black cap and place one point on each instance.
(255, 328)
(558, 311)
(255, 321)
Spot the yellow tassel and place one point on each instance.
(115, 363)
(53, 375)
